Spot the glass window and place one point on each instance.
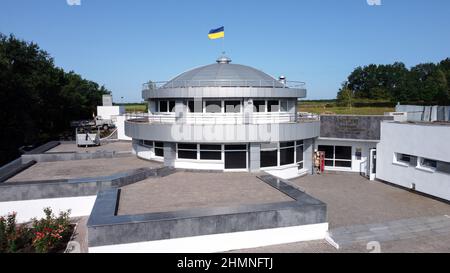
(148, 143)
(429, 163)
(269, 159)
(210, 152)
(329, 163)
(185, 146)
(287, 144)
(340, 163)
(299, 151)
(284, 105)
(210, 147)
(358, 153)
(443, 167)
(210, 155)
(273, 106)
(343, 152)
(286, 156)
(171, 106)
(159, 148)
(162, 106)
(409, 159)
(235, 147)
(329, 151)
(232, 106)
(235, 160)
(187, 154)
(213, 106)
(259, 106)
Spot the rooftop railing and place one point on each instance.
(226, 118)
(222, 83)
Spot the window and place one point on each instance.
(187, 151)
(210, 152)
(428, 163)
(232, 106)
(286, 153)
(358, 153)
(235, 156)
(442, 166)
(299, 153)
(194, 106)
(171, 106)
(159, 149)
(259, 106)
(337, 156)
(280, 154)
(269, 155)
(147, 143)
(273, 106)
(407, 159)
(166, 106)
(213, 106)
(284, 105)
(162, 106)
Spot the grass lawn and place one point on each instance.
(330, 107)
(136, 107)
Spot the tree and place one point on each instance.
(345, 96)
(38, 100)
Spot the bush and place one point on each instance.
(12, 236)
(49, 231)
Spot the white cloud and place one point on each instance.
(374, 2)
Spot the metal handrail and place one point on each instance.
(222, 83)
(222, 118)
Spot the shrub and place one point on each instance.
(12, 236)
(50, 230)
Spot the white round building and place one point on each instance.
(225, 116)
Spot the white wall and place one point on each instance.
(427, 141)
(106, 112)
(222, 242)
(27, 209)
(119, 121)
(357, 165)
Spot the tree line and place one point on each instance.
(426, 83)
(37, 99)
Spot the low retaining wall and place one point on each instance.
(14, 167)
(66, 156)
(106, 228)
(29, 190)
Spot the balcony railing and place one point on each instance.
(226, 118)
(222, 83)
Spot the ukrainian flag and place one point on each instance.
(216, 33)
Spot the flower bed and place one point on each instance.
(46, 235)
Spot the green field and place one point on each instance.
(135, 107)
(330, 107)
(316, 107)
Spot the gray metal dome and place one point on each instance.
(223, 74)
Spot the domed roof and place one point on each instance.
(224, 74)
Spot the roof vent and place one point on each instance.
(223, 60)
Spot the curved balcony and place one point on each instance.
(232, 129)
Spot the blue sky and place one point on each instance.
(122, 44)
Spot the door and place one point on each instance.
(372, 164)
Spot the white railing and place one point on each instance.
(227, 118)
(222, 83)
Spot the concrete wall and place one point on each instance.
(351, 127)
(106, 112)
(222, 133)
(423, 140)
(425, 113)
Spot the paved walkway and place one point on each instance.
(391, 231)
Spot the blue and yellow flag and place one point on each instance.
(216, 33)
